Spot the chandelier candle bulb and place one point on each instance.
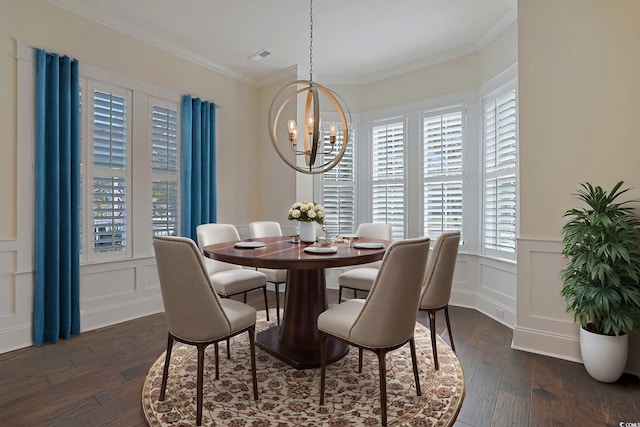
(293, 132)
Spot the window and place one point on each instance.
(499, 225)
(338, 187)
(388, 204)
(444, 165)
(130, 167)
(164, 167)
(108, 168)
(442, 136)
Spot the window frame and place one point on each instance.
(495, 93)
(89, 171)
(322, 180)
(163, 176)
(140, 239)
(398, 232)
(441, 112)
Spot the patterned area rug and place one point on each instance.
(289, 397)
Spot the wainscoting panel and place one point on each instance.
(16, 292)
(7, 283)
(542, 324)
(496, 290)
(119, 291)
(104, 283)
(463, 293)
(150, 279)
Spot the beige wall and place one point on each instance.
(579, 120)
(579, 70)
(277, 180)
(111, 292)
(578, 67)
(498, 55)
(8, 130)
(445, 78)
(39, 24)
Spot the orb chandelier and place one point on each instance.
(319, 156)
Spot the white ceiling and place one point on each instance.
(354, 41)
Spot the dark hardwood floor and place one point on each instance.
(95, 379)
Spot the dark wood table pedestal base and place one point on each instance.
(296, 341)
(300, 359)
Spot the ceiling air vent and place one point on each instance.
(260, 55)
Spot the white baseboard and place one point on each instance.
(546, 343)
(110, 315)
(561, 347)
(15, 338)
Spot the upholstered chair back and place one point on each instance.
(389, 314)
(374, 230)
(209, 234)
(192, 308)
(259, 229)
(439, 274)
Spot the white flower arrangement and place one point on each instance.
(307, 212)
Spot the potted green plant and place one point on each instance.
(601, 282)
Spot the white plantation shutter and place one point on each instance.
(388, 204)
(110, 171)
(130, 168)
(338, 186)
(443, 172)
(164, 168)
(500, 138)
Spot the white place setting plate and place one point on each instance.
(249, 245)
(368, 245)
(321, 249)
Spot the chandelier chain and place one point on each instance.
(318, 157)
(311, 40)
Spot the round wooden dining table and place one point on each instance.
(296, 341)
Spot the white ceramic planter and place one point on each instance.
(307, 231)
(604, 356)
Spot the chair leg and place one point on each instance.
(277, 285)
(360, 351)
(254, 375)
(414, 361)
(266, 304)
(165, 372)
(199, 382)
(446, 316)
(339, 294)
(217, 358)
(323, 363)
(228, 342)
(382, 368)
(244, 297)
(432, 326)
(355, 293)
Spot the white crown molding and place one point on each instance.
(147, 37)
(188, 55)
(503, 23)
(420, 63)
(289, 73)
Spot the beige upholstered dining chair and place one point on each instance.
(259, 229)
(194, 313)
(229, 279)
(361, 278)
(384, 321)
(437, 285)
